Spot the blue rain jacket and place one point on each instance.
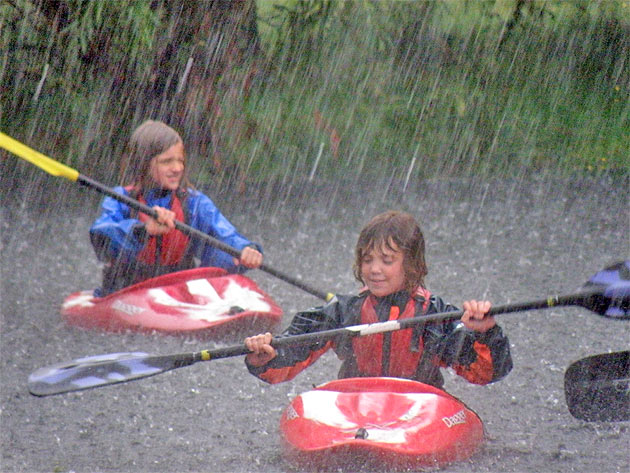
(119, 225)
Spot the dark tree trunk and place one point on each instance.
(512, 22)
(222, 42)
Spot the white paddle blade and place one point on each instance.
(90, 372)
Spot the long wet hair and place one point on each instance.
(147, 141)
(396, 231)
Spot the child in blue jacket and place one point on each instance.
(135, 246)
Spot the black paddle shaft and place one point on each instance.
(169, 362)
(588, 299)
(120, 367)
(86, 181)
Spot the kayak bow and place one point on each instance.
(379, 422)
(205, 302)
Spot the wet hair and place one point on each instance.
(147, 141)
(397, 231)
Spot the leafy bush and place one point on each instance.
(324, 88)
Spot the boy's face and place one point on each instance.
(382, 270)
(167, 168)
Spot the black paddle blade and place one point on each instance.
(614, 300)
(597, 388)
(101, 370)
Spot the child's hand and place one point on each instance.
(261, 350)
(250, 258)
(164, 223)
(473, 317)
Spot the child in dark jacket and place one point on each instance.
(135, 246)
(390, 262)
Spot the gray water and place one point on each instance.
(505, 240)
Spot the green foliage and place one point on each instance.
(351, 88)
(443, 86)
(63, 60)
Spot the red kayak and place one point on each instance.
(205, 302)
(380, 422)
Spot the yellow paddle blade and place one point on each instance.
(38, 159)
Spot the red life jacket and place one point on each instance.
(172, 244)
(368, 350)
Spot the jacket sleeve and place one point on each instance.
(206, 217)
(291, 360)
(114, 234)
(480, 358)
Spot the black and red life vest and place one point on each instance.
(402, 356)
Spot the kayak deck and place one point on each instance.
(379, 422)
(204, 302)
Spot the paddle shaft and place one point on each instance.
(581, 298)
(61, 170)
(117, 368)
(186, 359)
(181, 226)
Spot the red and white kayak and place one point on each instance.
(380, 422)
(205, 302)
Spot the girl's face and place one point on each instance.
(382, 270)
(167, 168)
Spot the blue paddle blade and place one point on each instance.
(91, 371)
(614, 301)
